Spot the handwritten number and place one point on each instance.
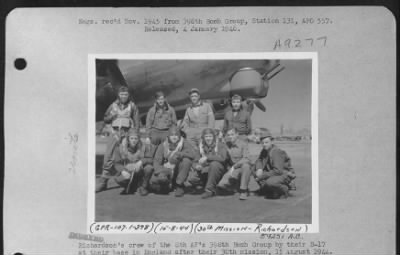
(287, 43)
(311, 41)
(299, 43)
(277, 44)
(323, 38)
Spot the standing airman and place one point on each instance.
(198, 116)
(159, 119)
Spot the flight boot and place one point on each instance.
(179, 191)
(101, 184)
(244, 194)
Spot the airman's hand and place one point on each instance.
(203, 160)
(259, 173)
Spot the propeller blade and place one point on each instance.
(257, 102)
(279, 70)
(260, 105)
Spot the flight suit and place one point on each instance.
(108, 162)
(171, 168)
(241, 121)
(277, 171)
(196, 119)
(158, 122)
(139, 161)
(213, 170)
(118, 110)
(239, 163)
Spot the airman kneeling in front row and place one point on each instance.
(120, 130)
(239, 171)
(133, 162)
(172, 163)
(211, 166)
(274, 171)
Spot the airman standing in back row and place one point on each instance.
(198, 116)
(237, 118)
(123, 115)
(123, 109)
(159, 119)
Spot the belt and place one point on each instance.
(160, 129)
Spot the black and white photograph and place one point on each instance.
(200, 130)
(204, 140)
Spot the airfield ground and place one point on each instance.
(110, 206)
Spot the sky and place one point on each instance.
(289, 98)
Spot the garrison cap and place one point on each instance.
(265, 133)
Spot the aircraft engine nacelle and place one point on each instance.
(248, 83)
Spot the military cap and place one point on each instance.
(123, 89)
(265, 133)
(194, 90)
(207, 131)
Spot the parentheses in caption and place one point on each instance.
(151, 229)
(156, 227)
(90, 228)
(195, 228)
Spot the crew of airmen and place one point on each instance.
(190, 157)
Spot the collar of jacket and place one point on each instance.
(199, 104)
(240, 109)
(119, 102)
(165, 106)
(235, 144)
(136, 148)
(209, 148)
(265, 153)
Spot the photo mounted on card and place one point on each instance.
(203, 130)
(203, 138)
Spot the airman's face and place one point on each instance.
(236, 104)
(160, 100)
(231, 136)
(133, 140)
(267, 143)
(174, 138)
(209, 138)
(194, 97)
(123, 97)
